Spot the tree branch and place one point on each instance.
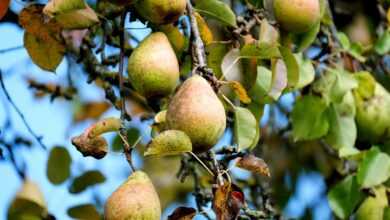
(37, 138)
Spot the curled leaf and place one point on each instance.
(228, 200)
(254, 164)
(170, 142)
(182, 213)
(95, 147)
(240, 92)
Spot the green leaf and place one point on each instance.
(170, 142)
(262, 85)
(344, 40)
(309, 118)
(58, 165)
(268, 34)
(259, 51)
(215, 54)
(304, 40)
(374, 169)
(85, 211)
(306, 71)
(292, 67)
(246, 128)
(218, 10)
(344, 197)
(344, 83)
(133, 134)
(382, 46)
(87, 179)
(45, 53)
(373, 207)
(342, 131)
(279, 79)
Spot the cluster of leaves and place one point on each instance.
(338, 102)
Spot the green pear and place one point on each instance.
(372, 109)
(153, 67)
(196, 110)
(161, 11)
(29, 203)
(297, 16)
(136, 199)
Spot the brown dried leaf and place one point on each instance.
(182, 213)
(90, 110)
(240, 92)
(254, 164)
(228, 200)
(4, 4)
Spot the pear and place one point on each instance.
(136, 199)
(153, 67)
(196, 110)
(28, 203)
(161, 11)
(297, 16)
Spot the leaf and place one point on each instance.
(4, 4)
(231, 66)
(160, 117)
(254, 164)
(227, 202)
(263, 84)
(240, 92)
(374, 169)
(204, 30)
(73, 14)
(309, 118)
(85, 211)
(89, 110)
(268, 34)
(246, 129)
(344, 197)
(304, 40)
(182, 213)
(87, 179)
(215, 54)
(58, 165)
(170, 142)
(343, 83)
(46, 54)
(373, 207)
(382, 46)
(344, 41)
(133, 135)
(292, 67)
(259, 51)
(279, 79)
(306, 71)
(218, 10)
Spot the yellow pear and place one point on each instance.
(161, 11)
(136, 199)
(196, 110)
(297, 16)
(153, 67)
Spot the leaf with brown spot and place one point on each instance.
(4, 4)
(182, 213)
(254, 164)
(228, 200)
(240, 92)
(90, 110)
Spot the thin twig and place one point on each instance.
(201, 163)
(37, 138)
(124, 116)
(216, 165)
(11, 49)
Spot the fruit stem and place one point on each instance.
(201, 163)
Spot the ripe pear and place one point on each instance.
(29, 203)
(153, 67)
(297, 16)
(136, 199)
(161, 11)
(196, 110)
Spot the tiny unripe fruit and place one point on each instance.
(153, 67)
(136, 199)
(196, 110)
(297, 16)
(161, 11)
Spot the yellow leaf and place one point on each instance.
(47, 54)
(240, 92)
(205, 32)
(388, 16)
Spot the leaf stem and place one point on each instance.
(201, 163)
